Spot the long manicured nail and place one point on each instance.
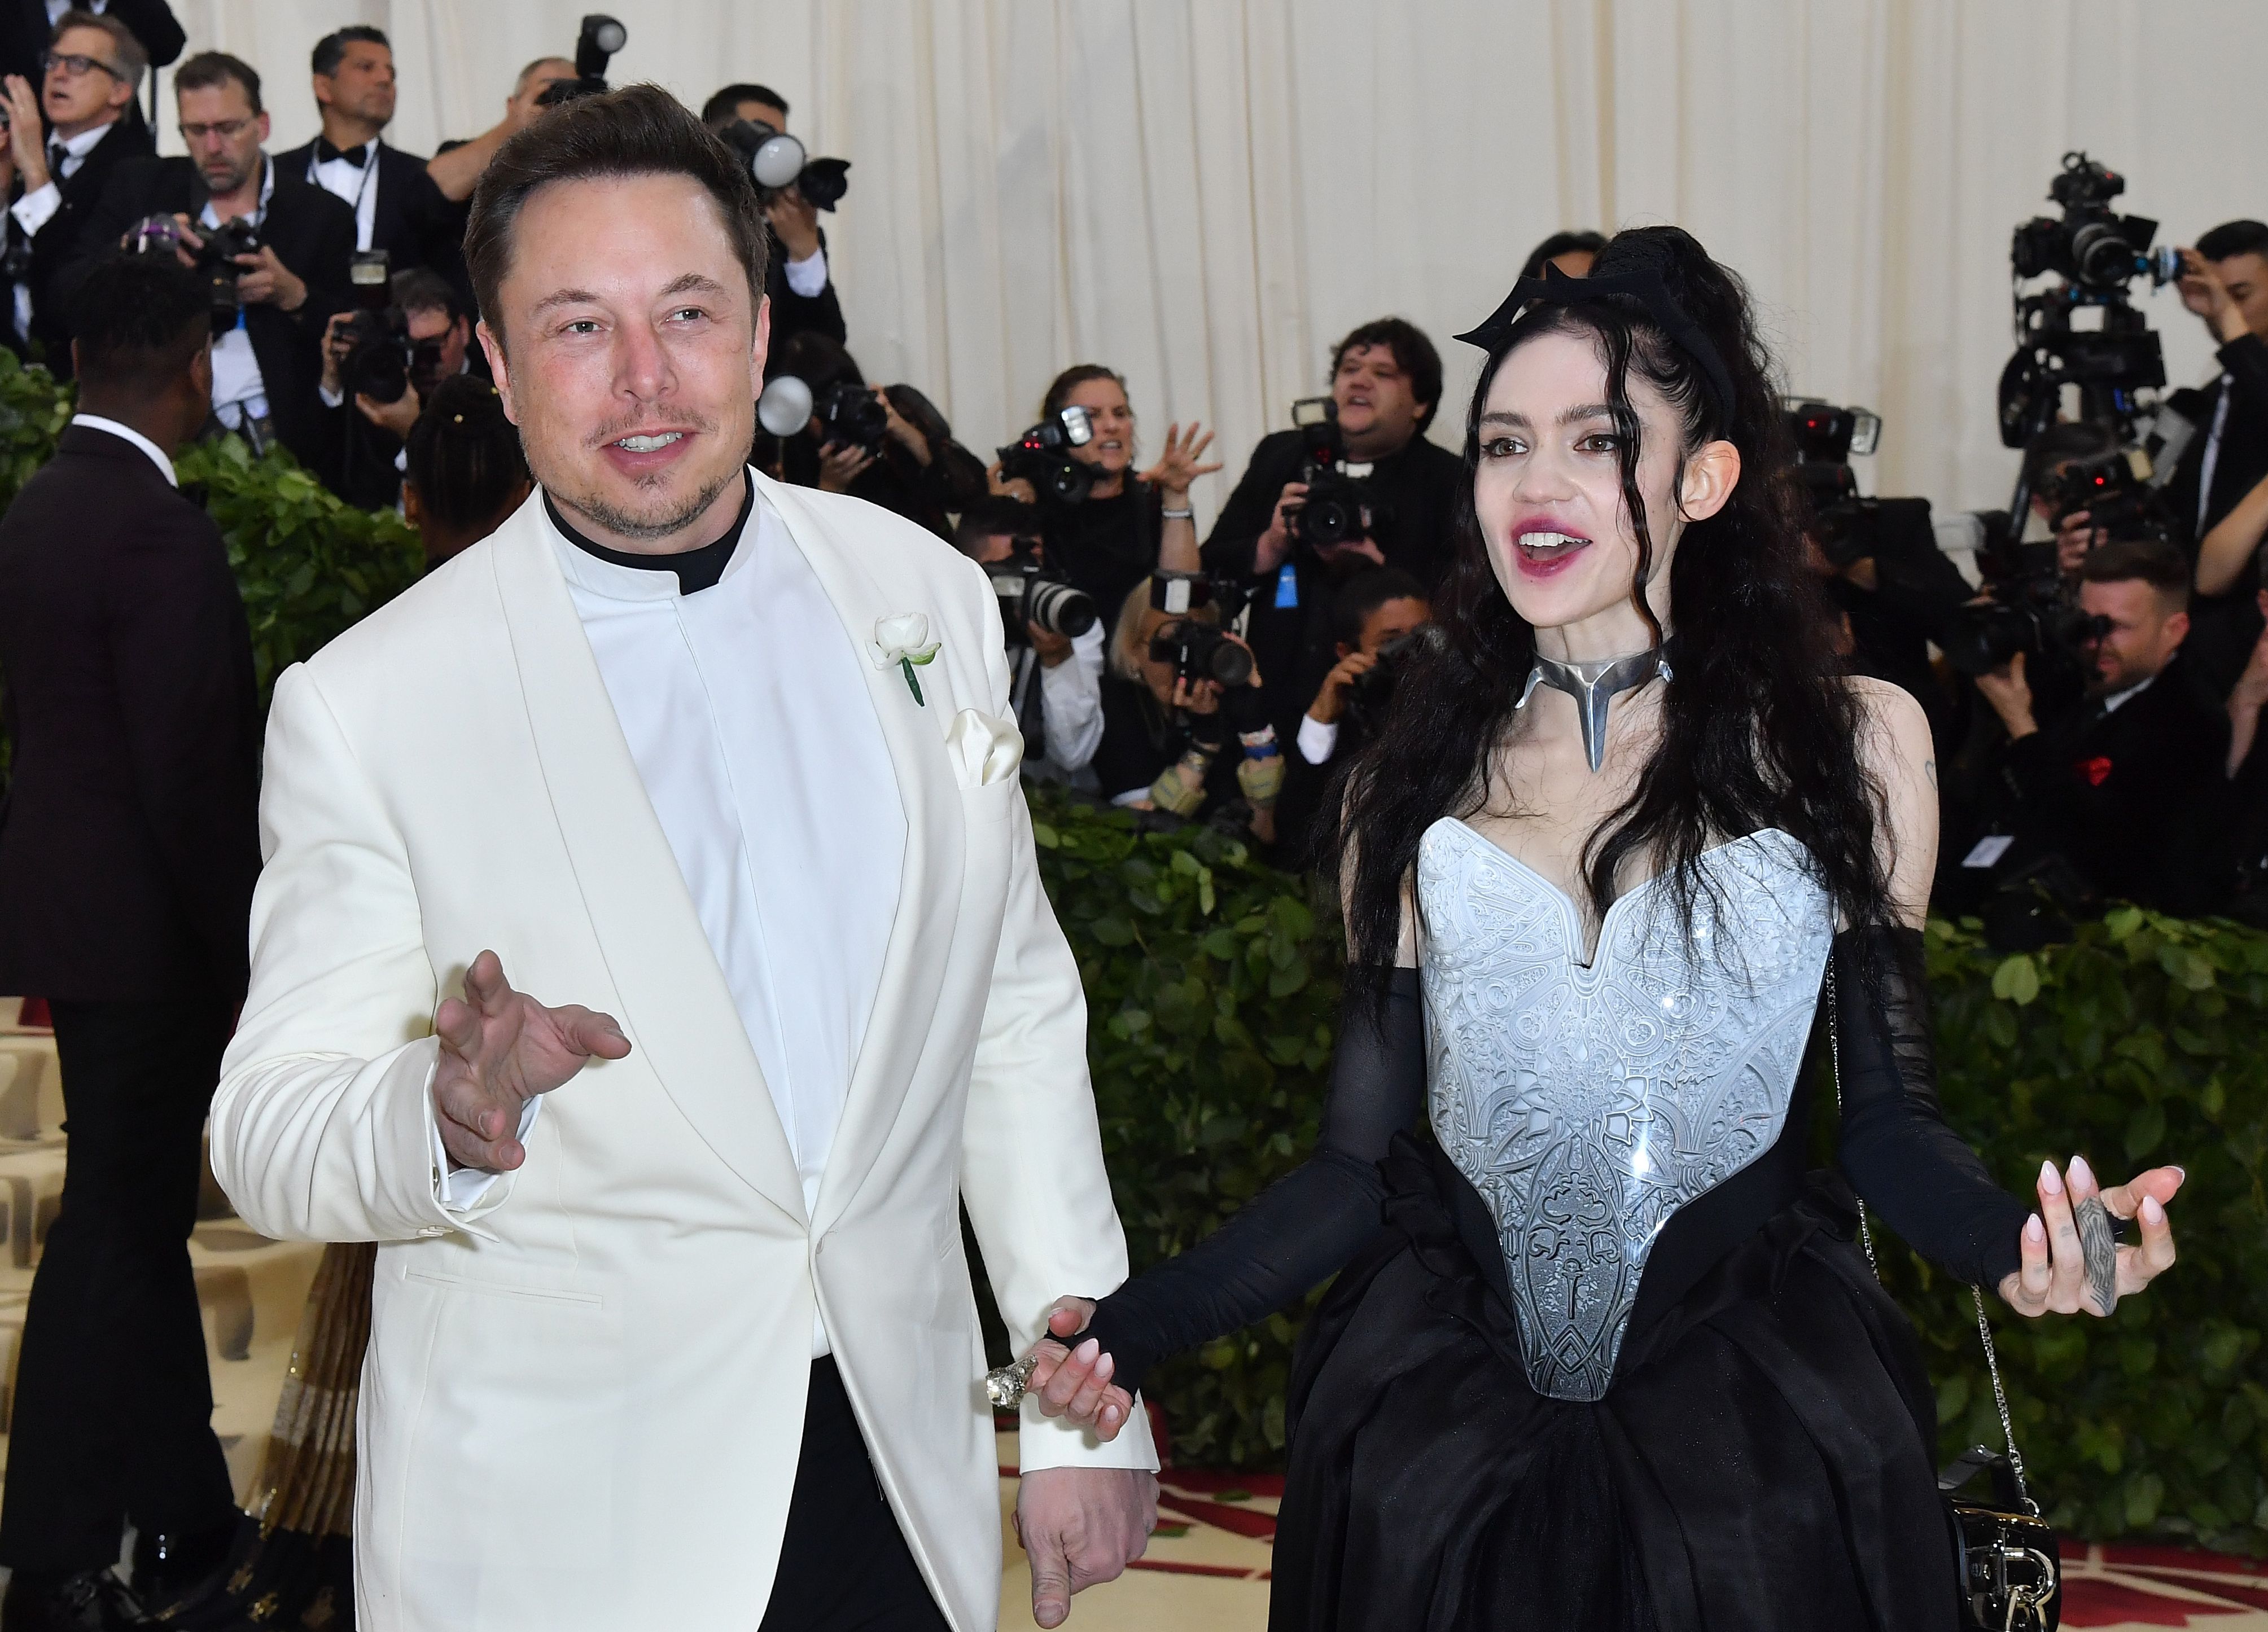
(2182, 1174)
(2152, 1213)
(2080, 1173)
(2051, 1180)
(1085, 1352)
(2034, 1231)
(1104, 1367)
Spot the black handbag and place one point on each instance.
(2007, 1569)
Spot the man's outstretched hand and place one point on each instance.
(1081, 1527)
(499, 1049)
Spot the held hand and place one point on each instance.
(1081, 1527)
(2204, 293)
(398, 417)
(841, 464)
(2054, 1272)
(796, 222)
(2075, 540)
(1364, 548)
(2010, 695)
(912, 440)
(499, 1049)
(336, 349)
(26, 143)
(1074, 1384)
(1177, 466)
(999, 486)
(1330, 701)
(1276, 543)
(1051, 648)
(266, 281)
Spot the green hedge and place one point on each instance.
(1212, 985)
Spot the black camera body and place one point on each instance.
(2090, 244)
(2115, 491)
(215, 261)
(1041, 456)
(1338, 508)
(1373, 690)
(1031, 597)
(848, 414)
(384, 361)
(1847, 526)
(1200, 651)
(2030, 610)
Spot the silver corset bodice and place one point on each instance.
(1586, 1103)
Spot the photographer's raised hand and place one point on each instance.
(1276, 543)
(1177, 466)
(499, 1049)
(25, 146)
(841, 464)
(2204, 293)
(266, 281)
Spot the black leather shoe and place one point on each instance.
(84, 1600)
(174, 1572)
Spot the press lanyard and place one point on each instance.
(369, 174)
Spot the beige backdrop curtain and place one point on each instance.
(1205, 193)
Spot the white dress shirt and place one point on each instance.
(747, 712)
(38, 207)
(808, 276)
(1071, 700)
(1319, 739)
(95, 422)
(356, 184)
(239, 393)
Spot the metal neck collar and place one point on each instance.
(1593, 686)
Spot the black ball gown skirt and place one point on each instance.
(1763, 1460)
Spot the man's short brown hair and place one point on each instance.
(2161, 565)
(133, 60)
(640, 130)
(209, 70)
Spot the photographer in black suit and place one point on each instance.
(26, 26)
(397, 208)
(799, 284)
(1386, 384)
(1375, 617)
(93, 67)
(128, 845)
(361, 442)
(266, 365)
(2129, 783)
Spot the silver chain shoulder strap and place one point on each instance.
(1867, 1240)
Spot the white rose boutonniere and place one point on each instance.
(903, 639)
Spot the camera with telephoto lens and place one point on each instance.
(601, 36)
(1041, 456)
(1199, 651)
(778, 162)
(1338, 507)
(1030, 595)
(383, 361)
(844, 412)
(2031, 609)
(215, 260)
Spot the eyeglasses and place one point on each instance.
(227, 130)
(77, 66)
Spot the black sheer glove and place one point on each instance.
(1916, 1172)
(1303, 1227)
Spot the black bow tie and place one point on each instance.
(325, 152)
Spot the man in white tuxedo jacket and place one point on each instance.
(673, 1328)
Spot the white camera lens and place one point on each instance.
(785, 406)
(778, 162)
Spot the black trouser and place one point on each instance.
(844, 1566)
(113, 1414)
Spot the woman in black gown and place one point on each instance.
(1600, 1354)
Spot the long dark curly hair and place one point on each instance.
(1759, 728)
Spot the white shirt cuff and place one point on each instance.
(331, 399)
(460, 1191)
(808, 277)
(1318, 740)
(35, 210)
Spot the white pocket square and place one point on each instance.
(985, 750)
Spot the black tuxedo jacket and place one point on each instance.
(411, 221)
(24, 31)
(2136, 799)
(313, 233)
(53, 244)
(129, 833)
(792, 313)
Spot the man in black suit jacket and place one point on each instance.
(397, 208)
(797, 280)
(25, 26)
(95, 66)
(265, 367)
(129, 847)
(2129, 785)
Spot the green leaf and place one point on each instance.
(2145, 1130)
(2017, 980)
(1045, 836)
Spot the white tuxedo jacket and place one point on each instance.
(584, 1398)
